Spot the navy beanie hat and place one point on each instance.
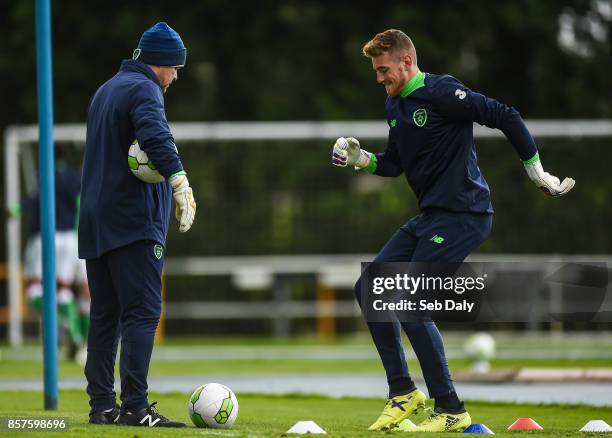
(161, 45)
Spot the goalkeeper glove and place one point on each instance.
(185, 206)
(348, 152)
(548, 183)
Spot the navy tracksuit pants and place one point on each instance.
(125, 287)
(461, 234)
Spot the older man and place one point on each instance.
(124, 222)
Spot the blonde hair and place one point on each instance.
(391, 40)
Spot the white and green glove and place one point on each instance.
(347, 152)
(548, 183)
(185, 206)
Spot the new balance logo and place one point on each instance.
(437, 239)
(150, 419)
(450, 422)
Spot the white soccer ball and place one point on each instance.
(141, 166)
(213, 405)
(479, 347)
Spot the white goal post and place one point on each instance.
(16, 136)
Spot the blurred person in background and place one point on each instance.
(431, 142)
(73, 308)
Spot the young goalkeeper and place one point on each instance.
(431, 141)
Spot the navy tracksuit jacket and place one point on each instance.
(116, 207)
(122, 231)
(431, 142)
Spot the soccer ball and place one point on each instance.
(479, 348)
(141, 166)
(213, 405)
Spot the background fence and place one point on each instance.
(280, 232)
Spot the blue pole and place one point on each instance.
(47, 197)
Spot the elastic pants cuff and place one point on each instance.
(401, 386)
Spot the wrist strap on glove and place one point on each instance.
(372, 165)
(179, 180)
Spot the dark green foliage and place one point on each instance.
(301, 59)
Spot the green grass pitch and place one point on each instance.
(271, 416)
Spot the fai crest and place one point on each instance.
(419, 117)
(158, 251)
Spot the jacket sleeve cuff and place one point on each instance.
(532, 160)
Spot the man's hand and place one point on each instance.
(185, 206)
(548, 183)
(348, 152)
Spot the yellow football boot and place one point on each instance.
(444, 422)
(399, 408)
(409, 424)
